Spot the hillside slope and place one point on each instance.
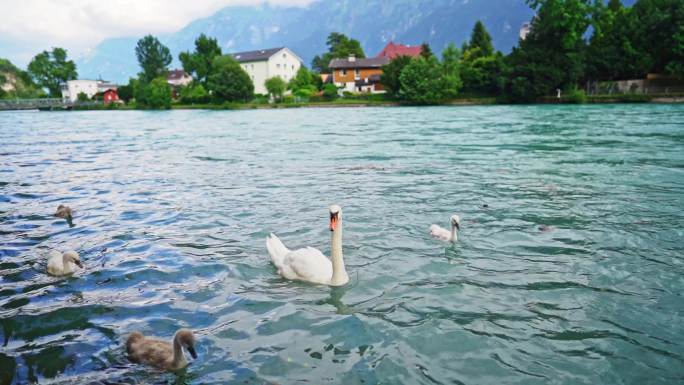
(373, 22)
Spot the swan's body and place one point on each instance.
(309, 264)
(63, 264)
(445, 235)
(161, 354)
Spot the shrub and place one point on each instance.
(330, 91)
(194, 93)
(576, 96)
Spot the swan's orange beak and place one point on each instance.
(333, 222)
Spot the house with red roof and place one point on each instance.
(392, 50)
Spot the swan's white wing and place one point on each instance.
(307, 264)
(277, 250)
(440, 233)
(54, 264)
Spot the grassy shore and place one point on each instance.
(387, 102)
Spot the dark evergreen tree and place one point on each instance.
(481, 39)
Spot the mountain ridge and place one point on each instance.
(304, 29)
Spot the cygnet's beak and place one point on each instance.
(458, 227)
(193, 353)
(333, 221)
(78, 263)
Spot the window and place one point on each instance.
(356, 73)
(278, 65)
(284, 56)
(343, 72)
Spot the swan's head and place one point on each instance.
(73, 257)
(187, 340)
(335, 217)
(456, 222)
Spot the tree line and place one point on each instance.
(571, 43)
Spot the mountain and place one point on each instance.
(304, 29)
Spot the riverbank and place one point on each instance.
(379, 102)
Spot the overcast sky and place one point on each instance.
(30, 26)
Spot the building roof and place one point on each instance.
(176, 75)
(374, 62)
(258, 55)
(392, 50)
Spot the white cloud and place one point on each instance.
(79, 24)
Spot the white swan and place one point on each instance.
(161, 354)
(309, 264)
(445, 235)
(63, 264)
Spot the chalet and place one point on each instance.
(267, 63)
(392, 50)
(178, 78)
(358, 75)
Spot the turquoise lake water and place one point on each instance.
(569, 268)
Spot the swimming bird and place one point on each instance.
(161, 354)
(64, 212)
(309, 264)
(63, 264)
(445, 235)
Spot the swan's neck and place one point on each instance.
(454, 234)
(178, 357)
(339, 276)
(65, 263)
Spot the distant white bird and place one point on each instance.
(309, 264)
(63, 264)
(445, 235)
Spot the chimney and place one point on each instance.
(352, 58)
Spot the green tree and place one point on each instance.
(82, 97)
(156, 94)
(51, 69)
(303, 79)
(276, 87)
(194, 93)
(198, 63)
(228, 81)
(613, 52)
(426, 51)
(153, 57)
(481, 39)
(552, 54)
(330, 91)
(391, 72)
(422, 81)
(451, 72)
(658, 33)
(128, 91)
(483, 74)
(339, 46)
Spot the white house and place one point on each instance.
(72, 88)
(267, 63)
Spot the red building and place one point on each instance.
(110, 96)
(392, 50)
